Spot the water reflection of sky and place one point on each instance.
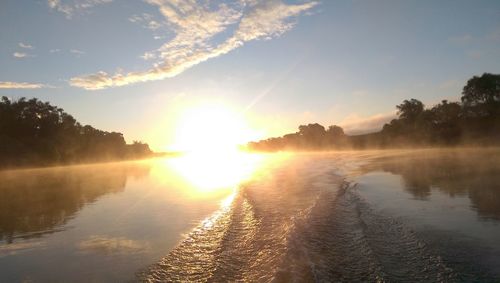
(105, 222)
(451, 197)
(455, 174)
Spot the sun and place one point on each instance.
(209, 134)
(211, 128)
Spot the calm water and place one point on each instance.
(355, 216)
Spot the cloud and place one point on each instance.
(144, 17)
(55, 50)
(20, 55)
(146, 21)
(112, 245)
(203, 31)
(148, 56)
(21, 85)
(69, 8)
(356, 124)
(25, 46)
(154, 25)
(23, 54)
(77, 52)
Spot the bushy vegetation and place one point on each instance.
(473, 120)
(33, 132)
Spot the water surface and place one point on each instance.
(100, 223)
(426, 215)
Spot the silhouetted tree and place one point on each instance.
(313, 135)
(475, 120)
(447, 121)
(335, 136)
(410, 109)
(335, 131)
(36, 133)
(138, 148)
(482, 94)
(481, 106)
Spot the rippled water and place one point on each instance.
(390, 216)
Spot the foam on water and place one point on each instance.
(303, 222)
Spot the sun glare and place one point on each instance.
(208, 135)
(207, 172)
(211, 128)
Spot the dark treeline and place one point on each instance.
(35, 133)
(475, 120)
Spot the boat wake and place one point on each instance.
(300, 223)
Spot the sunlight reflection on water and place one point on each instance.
(111, 219)
(253, 217)
(207, 172)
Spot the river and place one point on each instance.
(389, 216)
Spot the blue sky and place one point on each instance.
(131, 66)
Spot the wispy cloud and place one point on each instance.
(70, 7)
(356, 124)
(21, 85)
(148, 56)
(153, 25)
(198, 28)
(77, 52)
(146, 20)
(140, 18)
(22, 55)
(19, 54)
(25, 46)
(54, 50)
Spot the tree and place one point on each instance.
(476, 119)
(482, 89)
(481, 95)
(446, 121)
(335, 131)
(312, 134)
(37, 133)
(335, 136)
(410, 109)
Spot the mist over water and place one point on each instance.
(420, 216)
(96, 223)
(359, 216)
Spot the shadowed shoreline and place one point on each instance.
(37, 134)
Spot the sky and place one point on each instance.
(136, 66)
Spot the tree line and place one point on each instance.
(37, 133)
(474, 120)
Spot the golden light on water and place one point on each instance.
(208, 135)
(201, 174)
(212, 171)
